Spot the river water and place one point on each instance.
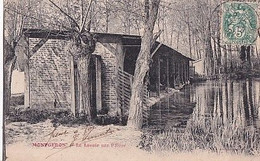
(231, 102)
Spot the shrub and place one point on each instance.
(57, 116)
(209, 136)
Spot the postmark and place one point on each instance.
(239, 23)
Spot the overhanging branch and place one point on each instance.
(66, 14)
(39, 20)
(86, 16)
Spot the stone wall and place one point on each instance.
(50, 76)
(49, 70)
(109, 79)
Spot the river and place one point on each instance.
(228, 101)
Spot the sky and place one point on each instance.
(17, 82)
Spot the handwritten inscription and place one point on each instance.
(78, 138)
(86, 135)
(54, 133)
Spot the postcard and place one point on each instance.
(131, 80)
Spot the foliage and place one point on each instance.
(60, 116)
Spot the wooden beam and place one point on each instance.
(188, 71)
(98, 84)
(72, 85)
(168, 82)
(156, 49)
(110, 48)
(167, 73)
(159, 75)
(27, 76)
(38, 46)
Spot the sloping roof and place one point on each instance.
(127, 40)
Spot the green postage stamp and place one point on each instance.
(239, 23)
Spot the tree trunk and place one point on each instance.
(219, 54)
(189, 30)
(81, 48)
(9, 62)
(8, 70)
(135, 118)
(84, 86)
(142, 67)
(226, 59)
(209, 53)
(248, 57)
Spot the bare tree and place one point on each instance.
(13, 24)
(142, 64)
(81, 46)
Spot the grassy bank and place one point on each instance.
(33, 116)
(20, 135)
(59, 117)
(210, 137)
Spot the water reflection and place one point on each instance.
(228, 102)
(173, 111)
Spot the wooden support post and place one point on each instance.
(159, 75)
(74, 88)
(72, 85)
(159, 88)
(174, 74)
(167, 73)
(188, 71)
(168, 90)
(184, 72)
(27, 76)
(98, 84)
(179, 72)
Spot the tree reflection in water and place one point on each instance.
(222, 103)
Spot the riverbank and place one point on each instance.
(235, 75)
(109, 143)
(211, 138)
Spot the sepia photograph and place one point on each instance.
(131, 80)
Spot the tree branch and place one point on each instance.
(146, 10)
(72, 19)
(8, 52)
(65, 27)
(153, 12)
(86, 16)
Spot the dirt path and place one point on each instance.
(44, 142)
(91, 143)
